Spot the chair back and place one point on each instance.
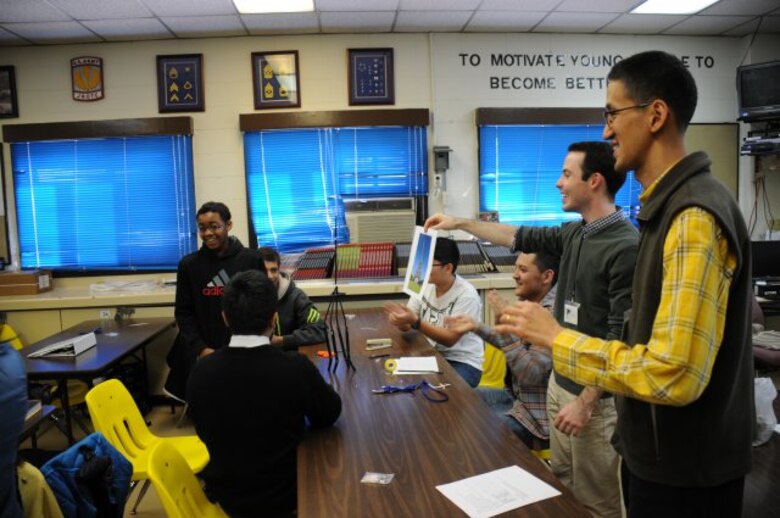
(176, 485)
(115, 415)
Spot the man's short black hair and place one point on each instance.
(600, 159)
(215, 206)
(249, 301)
(658, 75)
(269, 254)
(545, 261)
(446, 252)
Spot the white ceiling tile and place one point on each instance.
(771, 24)
(741, 7)
(205, 26)
(8, 38)
(357, 22)
(129, 29)
(438, 5)
(356, 5)
(744, 29)
(574, 22)
(707, 25)
(504, 21)
(29, 11)
(289, 23)
(518, 5)
(431, 21)
(190, 7)
(92, 10)
(642, 23)
(52, 32)
(597, 6)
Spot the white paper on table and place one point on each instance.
(497, 492)
(416, 365)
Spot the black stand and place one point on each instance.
(336, 319)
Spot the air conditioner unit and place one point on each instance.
(380, 220)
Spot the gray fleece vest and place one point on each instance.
(707, 442)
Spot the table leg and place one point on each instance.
(63, 388)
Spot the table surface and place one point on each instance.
(115, 341)
(424, 444)
(34, 421)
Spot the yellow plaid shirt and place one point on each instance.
(674, 367)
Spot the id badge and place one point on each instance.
(571, 312)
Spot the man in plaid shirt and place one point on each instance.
(523, 403)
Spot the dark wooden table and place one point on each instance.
(116, 341)
(424, 444)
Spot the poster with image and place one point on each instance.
(420, 260)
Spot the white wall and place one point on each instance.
(429, 73)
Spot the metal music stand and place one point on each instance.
(336, 318)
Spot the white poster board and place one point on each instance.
(420, 260)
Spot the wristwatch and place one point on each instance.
(416, 325)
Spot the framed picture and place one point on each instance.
(86, 79)
(180, 83)
(371, 76)
(276, 80)
(8, 106)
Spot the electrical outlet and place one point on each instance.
(105, 314)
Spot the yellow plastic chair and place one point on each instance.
(493, 368)
(116, 416)
(177, 487)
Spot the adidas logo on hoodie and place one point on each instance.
(215, 287)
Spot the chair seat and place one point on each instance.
(191, 448)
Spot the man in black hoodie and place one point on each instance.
(298, 321)
(200, 279)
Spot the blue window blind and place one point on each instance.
(122, 203)
(297, 179)
(518, 168)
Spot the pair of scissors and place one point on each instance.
(433, 393)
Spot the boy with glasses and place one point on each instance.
(447, 294)
(200, 280)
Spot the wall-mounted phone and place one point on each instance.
(441, 162)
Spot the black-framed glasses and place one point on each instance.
(436, 264)
(214, 227)
(609, 115)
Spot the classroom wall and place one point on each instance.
(437, 71)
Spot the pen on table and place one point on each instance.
(375, 356)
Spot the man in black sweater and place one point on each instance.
(200, 279)
(250, 402)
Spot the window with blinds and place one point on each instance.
(520, 164)
(120, 203)
(297, 179)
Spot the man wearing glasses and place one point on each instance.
(200, 280)
(684, 369)
(597, 257)
(447, 294)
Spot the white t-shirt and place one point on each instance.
(460, 299)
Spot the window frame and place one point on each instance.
(77, 130)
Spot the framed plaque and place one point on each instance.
(371, 76)
(276, 80)
(180, 83)
(8, 106)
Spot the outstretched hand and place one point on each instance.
(399, 315)
(497, 303)
(461, 324)
(440, 222)
(531, 322)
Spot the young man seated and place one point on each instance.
(298, 321)
(250, 402)
(523, 403)
(447, 294)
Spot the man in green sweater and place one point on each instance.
(594, 290)
(684, 369)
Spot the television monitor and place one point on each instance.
(766, 259)
(758, 91)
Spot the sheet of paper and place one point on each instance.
(497, 492)
(416, 365)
